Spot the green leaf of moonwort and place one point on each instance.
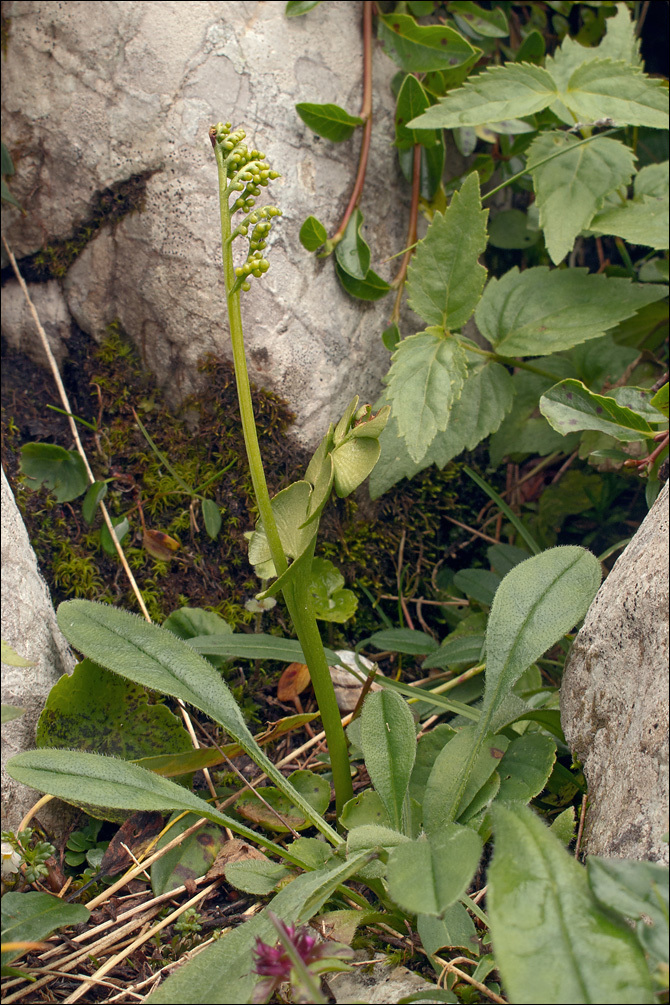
(427, 876)
(421, 48)
(538, 311)
(445, 280)
(62, 471)
(312, 234)
(331, 601)
(352, 252)
(571, 188)
(152, 656)
(353, 461)
(427, 374)
(570, 406)
(486, 397)
(329, 121)
(388, 738)
(552, 941)
(290, 512)
(412, 101)
(30, 917)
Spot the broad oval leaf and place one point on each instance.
(525, 767)
(211, 514)
(388, 738)
(427, 876)
(373, 287)
(412, 101)
(421, 48)
(94, 495)
(312, 234)
(352, 463)
(570, 406)
(329, 121)
(61, 471)
(352, 252)
(31, 917)
(552, 941)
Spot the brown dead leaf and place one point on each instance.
(234, 850)
(293, 681)
(160, 545)
(136, 833)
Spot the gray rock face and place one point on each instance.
(614, 699)
(97, 93)
(29, 626)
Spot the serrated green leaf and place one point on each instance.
(94, 495)
(31, 917)
(62, 471)
(353, 253)
(620, 40)
(551, 940)
(486, 397)
(487, 23)
(426, 378)
(570, 406)
(330, 121)
(312, 234)
(532, 49)
(570, 189)
(525, 767)
(445, 279)
(641, 221)
(211, 515)
(412, 101)
(152, 656)
(421, 48)
(93, 709)
(427, 876)
(541, 311)
(294, 8)
(606, 88)
(388, 738)
(373, 287)
(653, 180)
(512, 91)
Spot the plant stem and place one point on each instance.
(296, 593)
(399, 280)
(366, 115)
(242, 380)
(508, 361)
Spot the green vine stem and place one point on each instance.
(366, 116)
(296, 593)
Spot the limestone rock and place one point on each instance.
(18, 324)
(97, 93)
(29, 626)
(614, 699)
(378, 984)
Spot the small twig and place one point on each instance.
(448, 967)
(580, 829)
(403, 602)
(399, 279)
(564, 467)
(471, 530)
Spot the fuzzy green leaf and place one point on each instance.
(152, 656)
(480, 584)
(255, 646)
(257, 876)
(454, 928)
(62, 471)
(541, 311)
(427, 876)
(388, 738)
(445, 279)
(421, 48)
(312, 234)
(525, 767)
(445, 796)
(31, 917)
(412, 101)
(570, 406)
(329, 121)
(570, 189)
(552, 942)
(352, 252)
(426, 378)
